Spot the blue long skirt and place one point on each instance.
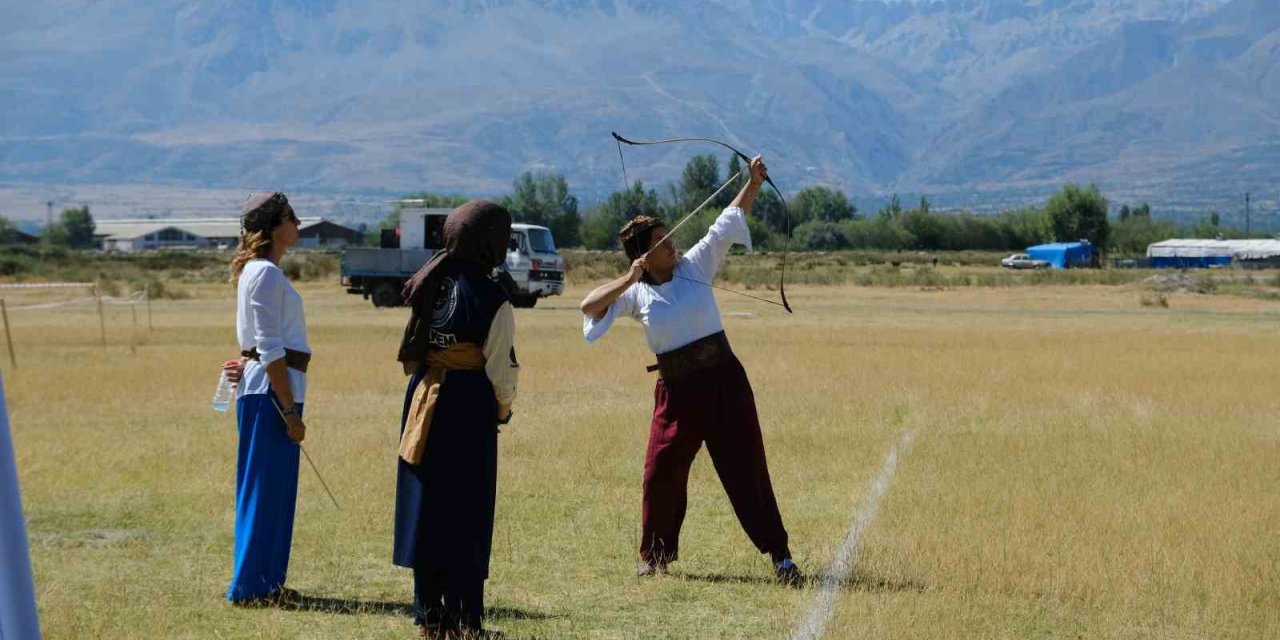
(266, 498)
(445, 504)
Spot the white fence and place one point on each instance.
(95, 297)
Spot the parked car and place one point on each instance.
(1023, 261)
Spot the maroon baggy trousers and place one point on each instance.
(714, 405)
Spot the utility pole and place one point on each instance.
(1246, 215)
(48, 219)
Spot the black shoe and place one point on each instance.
(788, 573)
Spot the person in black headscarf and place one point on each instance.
(457, 350)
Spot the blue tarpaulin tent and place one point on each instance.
(1061, 255)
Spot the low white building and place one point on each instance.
(173, 233)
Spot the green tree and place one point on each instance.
(700, 179)
(55, 235)
(1132, 235)
(8, 231)
(978, 232)
(768, 209)
(1079, 214)
(1026, 227)
(73, 229)
(820, 235)
(79, 225)
(730, 192)
(599, 230)
(544, 199)
(892, 209)
(930, 232)
(1211, 227)
(882, 232)
(601, 224)
(821, 204)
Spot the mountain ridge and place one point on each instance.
(978, 103)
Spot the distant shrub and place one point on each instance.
(1154, 299)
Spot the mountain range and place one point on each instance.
(977, 103)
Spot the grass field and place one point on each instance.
(1078, 466)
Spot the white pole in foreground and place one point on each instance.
(18, 617)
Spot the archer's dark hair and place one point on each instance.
(637, 234)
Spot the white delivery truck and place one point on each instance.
(533, 269)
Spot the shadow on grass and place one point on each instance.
(320, 604)
(856, 582)
(513, 613)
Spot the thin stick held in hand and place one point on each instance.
(320, 477)
(309, 461)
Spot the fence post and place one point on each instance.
(147, 294)
(102, 319)
(8, 337)
(133, 334)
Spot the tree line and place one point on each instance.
(825, 219)
(822, 218)
(73, 230)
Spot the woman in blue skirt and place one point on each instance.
(272, 387)
(458, 352)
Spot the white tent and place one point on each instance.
(1228, 249)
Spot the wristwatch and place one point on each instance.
(291, 411)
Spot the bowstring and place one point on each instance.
(626, 184)
(697, 209)
(741, 293)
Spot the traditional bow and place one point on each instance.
(782, 276)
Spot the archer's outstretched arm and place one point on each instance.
(747, 197)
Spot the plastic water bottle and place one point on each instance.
(224, 395)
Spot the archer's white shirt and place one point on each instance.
(269, 317)
(681, 311)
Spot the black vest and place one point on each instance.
(465, 306)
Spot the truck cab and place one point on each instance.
(533, 264)
(532, 270)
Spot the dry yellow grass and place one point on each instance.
(1082, 466)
